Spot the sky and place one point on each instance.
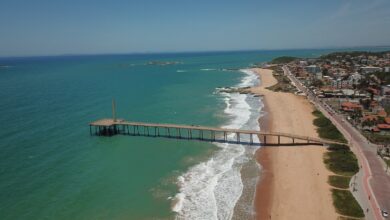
(58, 27)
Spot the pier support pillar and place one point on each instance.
(251, 139)
(265, 139)
(278, 139)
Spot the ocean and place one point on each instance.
(51, 168)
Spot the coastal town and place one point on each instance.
(352, 89)
(353, 84)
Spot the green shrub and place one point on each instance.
(326, 129)
(341, 162)
(346, 204)
(339, 181)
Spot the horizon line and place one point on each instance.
(189, 51)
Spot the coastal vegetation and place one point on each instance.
(341, 182)
(346, 204)
(283, 84)
(283, 59)
(340, 160)
(326, 129)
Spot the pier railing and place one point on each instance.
(110, 127)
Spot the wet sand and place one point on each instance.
(293, 182)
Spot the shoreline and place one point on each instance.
(264, 186)
(293, 180)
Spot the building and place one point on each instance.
(386, 101)
(355, 78)
(351, 107)
(370, 69)
(341, 84)
(385, 90)
(384, 127)
(313, 69)
(303, 63)
(318, 75)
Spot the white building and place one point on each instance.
(370, 69)
(355, 78)
(341, 84)
(303, 63)
(318, 75)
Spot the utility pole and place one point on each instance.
(113, 110)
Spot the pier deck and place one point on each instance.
(110, 127)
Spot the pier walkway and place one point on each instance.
(110, 127)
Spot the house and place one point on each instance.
(384, 127)
(370, 118)
(382, 113)
(351, 107)
(387, 120)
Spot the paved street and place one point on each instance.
(372, 182)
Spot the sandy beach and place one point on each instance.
(293, 182)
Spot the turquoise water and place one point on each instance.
(51, 168)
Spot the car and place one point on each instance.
(385, 214)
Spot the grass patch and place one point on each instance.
(346, 204)
(326, 129)
(339, 181)
(342, 162)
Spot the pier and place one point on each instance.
(111, 127)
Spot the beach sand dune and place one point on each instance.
(293, 181)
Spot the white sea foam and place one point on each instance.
(211, 189)
(181, 71)
(207, 69)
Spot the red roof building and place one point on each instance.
(382, 113)
(370, 118)
(350, 106)
(383, 126)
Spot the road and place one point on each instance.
(372, 184)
